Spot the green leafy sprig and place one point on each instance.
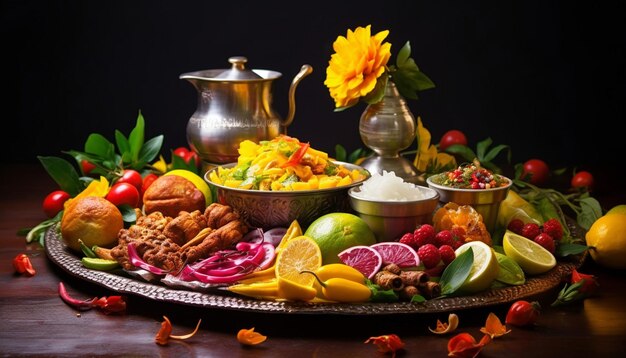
(484, 154)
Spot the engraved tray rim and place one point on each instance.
(60, 255)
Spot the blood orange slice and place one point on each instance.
(363, 258)
(397, 253)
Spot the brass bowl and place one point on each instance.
(389, 220)
(485, 201)
(270, 209)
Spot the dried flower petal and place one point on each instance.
(494, 327)
(387, 343)
(450, 326)
(463, 345)
(23, 266)
(165, 333)
(249, 337)
(111, 304)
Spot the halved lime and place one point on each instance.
(484, 270)
(531, 256)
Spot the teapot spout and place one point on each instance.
(304, 71)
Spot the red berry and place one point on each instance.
(444, 237)
(429, 255)
(409, 239)
(530, 230)
(553, 228)
(459, 236)
(425, 234)
(546, 241)
(516, 226)
(447, 254)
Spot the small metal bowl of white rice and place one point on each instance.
(392, 207)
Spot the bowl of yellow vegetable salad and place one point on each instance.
(277, 181)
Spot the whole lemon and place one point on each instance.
(617, 209)
(335, 232)
(92, 219)
(606, 239)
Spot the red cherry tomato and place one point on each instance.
(192, 156)
(86, 166)
(147, 181)
(123, 193)
(53, 202)
(452, 137)
(582, 179)
(535, 171)
(131, 177)
(523, 313)
(181, 152)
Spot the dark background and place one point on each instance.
(546, 78)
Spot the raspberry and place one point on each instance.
(447, 254)
(409, 239)
(530, 230)
(458, 234)
(429, 255)
(444, 237)
(516, 226)
(546, 241)
(425, 234)
(553, 228)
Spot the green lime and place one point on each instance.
(336, 232)
(99, 264)
(531, 256)
(510, 271)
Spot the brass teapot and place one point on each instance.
(233, 105)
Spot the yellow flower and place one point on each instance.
(427, 159)
(359, 60)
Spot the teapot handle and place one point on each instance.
(304, 71)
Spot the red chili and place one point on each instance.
(74, 303)
(22, 265)
(297, 155)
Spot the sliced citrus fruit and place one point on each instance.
(363, 258)
(99, 264)
(299, 254)
(397, 253)
(531, 256)
(484, 270)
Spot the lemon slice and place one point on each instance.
(531, 256)
(299, 254)
(484, 270)
(196, 180)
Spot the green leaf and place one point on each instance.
(98, 145)
(565, 249)
(493, 153)
(340, 153)
(150, 150)
(128, 214)
(123, 146)
(63, 173)
(462, 150)
(590, 212)
(456, 272)
(136, 138)
(481, 148)
(356, 154)
(418, 299)
(404, 54)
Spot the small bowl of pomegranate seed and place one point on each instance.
(472, 185)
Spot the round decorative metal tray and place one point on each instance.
(124, 284)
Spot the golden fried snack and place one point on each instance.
(185, 227)
(220, 239)
(171, 194)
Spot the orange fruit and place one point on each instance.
(335, 232)
(94, 220)
(454, 217)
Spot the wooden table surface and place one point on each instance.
(35, 322)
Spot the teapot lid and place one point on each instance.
(237, 73)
